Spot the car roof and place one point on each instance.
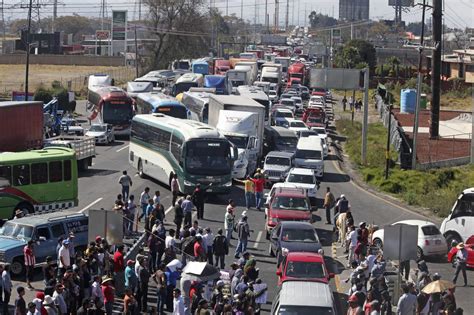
(419, 223)
(280, 154)
(302, 171)
(300, 293)
(294, 192)
(283, 110)
(297, 225)
(305, 256)
(43, 218)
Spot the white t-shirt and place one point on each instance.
(170, 242)
(64, 253)
(144, 197)
(352, 237)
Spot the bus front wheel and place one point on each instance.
(141, 173)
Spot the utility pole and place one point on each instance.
(277, 16)
(286, 16)
(139, 10)
(299, 12)
(305, 14)
(136, 52)
(418, 89)
(266, 14)
(242, 10)
(387, 150)
(3, 21)
(55, 14)
(365, 123)
(28, 44)
(352, 31)
(436, 67)
(293, 13)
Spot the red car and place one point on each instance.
(469, 246)
(303, 266)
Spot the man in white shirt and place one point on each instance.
(64, 258)
(144, 198)
(58, 299)
(407, 302)
(178, 302)
(352, 239)
(126, 183)
(170, 241)
(208, 239)
(7, 287)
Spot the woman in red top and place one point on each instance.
(199, 252)
(109, 295)
(259, 182)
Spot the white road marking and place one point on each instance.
(122, 148)
(168, 210)
(257, 240)
(90, 205)
(136, 175)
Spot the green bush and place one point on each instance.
(43, 95)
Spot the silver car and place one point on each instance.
(103, 133)
(276, 166)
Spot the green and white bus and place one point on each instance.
(37, 180)
(161, 146)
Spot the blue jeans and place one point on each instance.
(258, 199)
(228, 235)
(160, 301)
(248, 198)
(241, 247)
(125, 191)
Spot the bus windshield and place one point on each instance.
(173, 111)
(117, 113)
(208, 157)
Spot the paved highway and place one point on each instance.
(99, 186)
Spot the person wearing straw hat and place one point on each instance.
(461, 257)
(108, 292)
(50, 306)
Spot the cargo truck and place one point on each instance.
(252, 69)
(271, 72)
(22, 125)
(83, 146)
(239, 124)
(235, 78)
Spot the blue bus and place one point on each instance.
(153, 102)
(200, 66)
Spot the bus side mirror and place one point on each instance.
(234, 153)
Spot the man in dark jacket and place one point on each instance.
(198, 199)
(178, 216)
(220, 248)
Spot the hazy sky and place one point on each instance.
(458, 13)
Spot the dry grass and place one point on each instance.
(450, 103)
(13, 76)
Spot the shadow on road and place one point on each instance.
(97, 172)
(333, 265)
(336, 178)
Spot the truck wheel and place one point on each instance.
(141, 173)
(452, 237)
(25, 207)
(17, 268)
(85, 164)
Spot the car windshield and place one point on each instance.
(273, 160)
(315, 120)
(290, 203)
(287, 141)
(308, 154)
(430, 230)
(12, 229)
(300, 178)
(304, 133)
(299, 235)
(320, 131)
(288, 103)
(98, 128)
(305, 269)
(240, 142)
(284, 114)
(297, 124)
(304, 310)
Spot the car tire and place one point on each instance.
(270, 251)
(17, 267)
(419, 253)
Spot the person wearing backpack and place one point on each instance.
(188, 246)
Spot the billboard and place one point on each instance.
(334, 78)
(269, 39)
(119, 25)
(102, 34)
(403, 3)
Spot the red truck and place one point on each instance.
(297, 70)
(221, 66)
(22, 126)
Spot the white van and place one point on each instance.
(459, 225)
(310, 154)
(303, 297)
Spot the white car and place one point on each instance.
(303, 178)
(430, 240)
(298, 102)
(272, 96)
(103, 133)
(297, 125)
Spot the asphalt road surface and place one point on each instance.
(99, 186)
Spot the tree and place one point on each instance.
(356, 52)
(178, 28)
(347, 57)
(379, 31)
(320, 20)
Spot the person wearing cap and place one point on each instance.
(461, 258)
(108, 291)
(229, 220)
(30, 262)
(130, 276)
(58, 298)
(202, 308)
(178, 303)
(64, 258)
(354, 308)
(50, 306)
(243, 233)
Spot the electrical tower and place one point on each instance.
(2, 16)
(103, 13)
(287, 16)
(277, 17)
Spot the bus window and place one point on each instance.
(67, 170)
(6, 173)
(39, 173)
(176, 145)
(55, 171)
(21, 175)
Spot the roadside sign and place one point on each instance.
(20, 96)
(119, 25)
(106, 223)
(336, 78)
(102, 34)
(400, 242)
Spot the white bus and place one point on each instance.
(161, 146)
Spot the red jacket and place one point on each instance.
(118, 262)
(259, 184)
